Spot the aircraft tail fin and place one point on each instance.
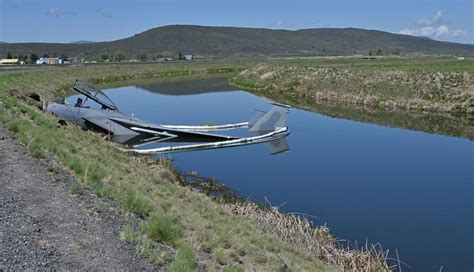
(271, 120)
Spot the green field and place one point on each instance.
(197, 231)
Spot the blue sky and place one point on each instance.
(105, 20)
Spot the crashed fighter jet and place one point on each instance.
(269, 127)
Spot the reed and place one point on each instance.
(299, 231)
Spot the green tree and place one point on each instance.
(119, 56)
(104, 56)
(25, 59)
(33, 58)
(167, 54)
(180, 56)
(379, 52)
(45, 55)
(9, 55)
(397, 51)
(141, 56)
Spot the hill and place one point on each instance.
(205, 40)
(81, 42)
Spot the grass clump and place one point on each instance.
(221, 256)
(151, 252)
(14, 126)
(163, 228)
(127, 234)
(185, 260)
(75, 189)
(35, 149)
(136, 203)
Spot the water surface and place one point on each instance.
(411, 191)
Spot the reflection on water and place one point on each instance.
(452, 125)
(408, 190)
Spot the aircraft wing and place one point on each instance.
(174, 135)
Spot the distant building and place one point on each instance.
(50, 61)
(188, 57)
(461, 58)
(9, 61)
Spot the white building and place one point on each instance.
(9, 61)
(50, 61)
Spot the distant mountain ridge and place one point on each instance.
(223, 41)
(81, 42)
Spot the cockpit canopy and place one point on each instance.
(94, 93)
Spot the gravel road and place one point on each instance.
(44, 227)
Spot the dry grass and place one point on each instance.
(443, 87)
(299, 231)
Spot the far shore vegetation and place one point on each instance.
(435, 95)
(423, 85)
(180, 228)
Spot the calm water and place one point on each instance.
(408, 190)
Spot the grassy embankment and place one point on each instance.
(394, 92)
(181, 229)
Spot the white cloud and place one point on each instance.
(58, 12)
(55, 12)
(437, 18)
(433, 28)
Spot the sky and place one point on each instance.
(106, 20)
